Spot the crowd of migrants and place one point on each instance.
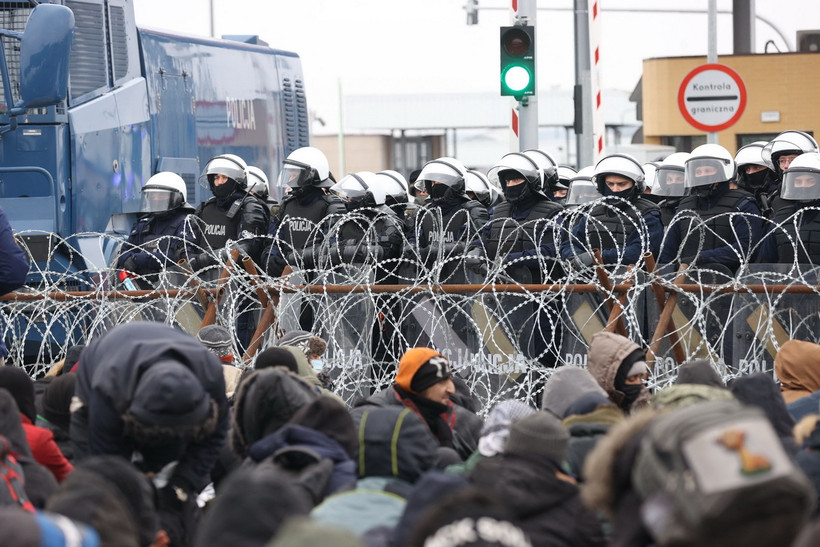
(151, 436)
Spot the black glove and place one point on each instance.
(429, 255)
(130, 264)
(201, 261)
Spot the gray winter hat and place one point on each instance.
(217, 339)
(540, 433)
(566, 385)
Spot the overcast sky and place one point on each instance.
(395, 46)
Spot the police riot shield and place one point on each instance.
(764, 321)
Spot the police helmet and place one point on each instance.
(565, 176)
(787, 143)
(229, 165)
(394, 184)
(447, 171)
(649, 169)
(479, 185)
(163, 192)
(709, 164)
(670, 175)
(306, 166)
(258, 182)
(801, 181)
(517, 165)
(623, 165)
(361, 189)
(548, 167)
(581, 188)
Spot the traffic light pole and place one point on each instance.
(528, 105)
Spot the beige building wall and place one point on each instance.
(788, 83)
(362, 153)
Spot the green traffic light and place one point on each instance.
(517, 78)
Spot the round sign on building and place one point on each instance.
(712, 97)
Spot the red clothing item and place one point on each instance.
(45, 450)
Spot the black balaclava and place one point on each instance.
(630, 392)
(517, 193)
(223, 190)
(627, 194)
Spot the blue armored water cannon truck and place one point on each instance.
(93, 106)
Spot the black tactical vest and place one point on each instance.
(609, 227)
(217, 227)
(510, 236)
(715, 225)
(301, 224)
(805, 236)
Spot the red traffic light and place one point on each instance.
(516, 42)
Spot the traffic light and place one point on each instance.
(518, 61)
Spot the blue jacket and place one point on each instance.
(13, 265)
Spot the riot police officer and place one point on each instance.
(259, 187)
(784, 148)
(479, 188)
(623, 225)
(374, 234)
(669, 184)
(754, 176)
(795, 237)
(447, 228)
(158, 237)
(299, 227)
(706, 233)
(232, 217)
(520, 232)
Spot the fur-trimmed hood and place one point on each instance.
(599, 490)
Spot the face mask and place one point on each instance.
(317, 364)
(704, 191)
(631, 393)
(755, 180)
(224, 190)
(517, 193)
(439, 191)
(623, 194)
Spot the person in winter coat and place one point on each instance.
(394, 450)
(423, 383)
(40, 483)
(250, 509)
(760, 390)
(154, 394)
(24, 529)
(13, 267)
(797, 366)
(527, 479)
(56, 411)
(494, 433)
(565, 386)
(266, 400)
(315, 449)
(41, 440)
(588, 420)
(109, 494)
(699, 371)
(619, 367)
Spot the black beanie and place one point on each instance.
(277, 357)
(21, 387)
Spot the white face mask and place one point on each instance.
(317, 364)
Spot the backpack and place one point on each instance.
(715, 473)
(12, 485)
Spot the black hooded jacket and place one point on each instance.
(107, 379)
(760, 390)
(547, 508)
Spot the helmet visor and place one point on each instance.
(801, 185)
(156, 200)
(669, 182)
(349, 189)
(294, 175)
(582, 191)
(705, 171)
